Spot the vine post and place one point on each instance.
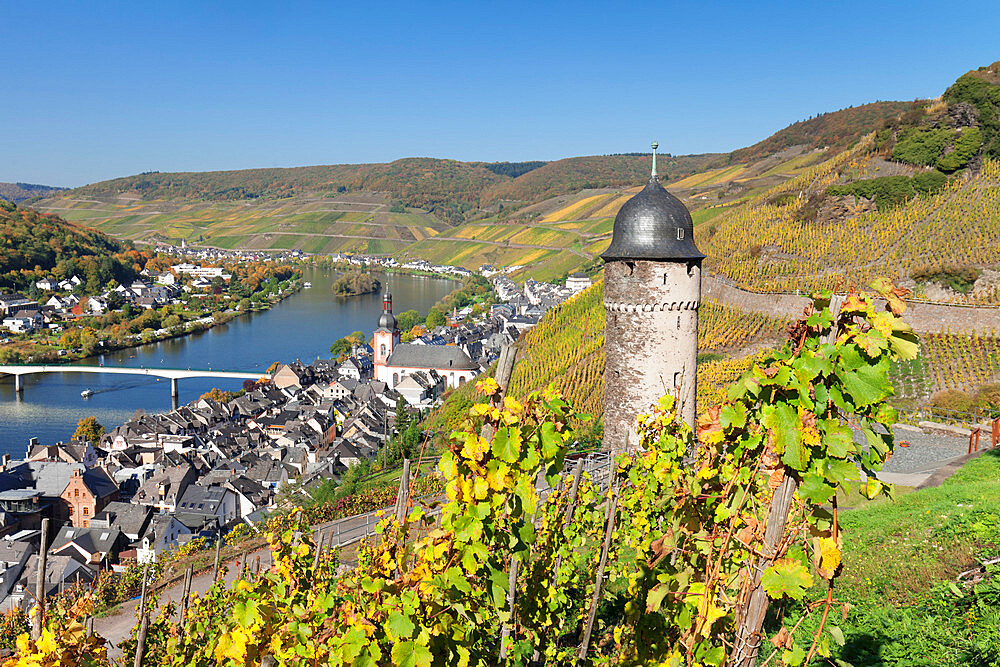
(748, 637)
(43, 553)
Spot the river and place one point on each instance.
(301, 327)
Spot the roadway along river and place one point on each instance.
(301, 327)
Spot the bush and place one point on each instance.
(921, 145)
(889, 191)
(966, 146)
(988, 396)
(952, 399)
(958, 278)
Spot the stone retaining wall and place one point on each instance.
(923, 317)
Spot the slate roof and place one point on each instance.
(131, 519)
(99, 482)
(441, 357)
(201, 499)
(91, 540)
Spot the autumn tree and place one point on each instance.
(88, 429)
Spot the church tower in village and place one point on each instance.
(652, 291)
(386, 335)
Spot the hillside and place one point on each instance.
(34, 244)
(836, 130)
(18, 192)
(551, 215)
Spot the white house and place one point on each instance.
(22, 324)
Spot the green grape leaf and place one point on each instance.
(399, 626)
(867, 384)
(411, 654)
(504, 447)
(794, 657)
(733, 416)
(837, 634)
(551, 441)
(786, 577)
(838, 438)
(655, 597)
(815, 489)
(838, 471)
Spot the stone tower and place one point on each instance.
(652, 290)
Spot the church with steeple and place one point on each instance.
(395, 360)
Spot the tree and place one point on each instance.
(435, 318)
(408, 319)
(218, 395)
(88, 429)
(341, 348)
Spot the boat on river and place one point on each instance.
(87, 393)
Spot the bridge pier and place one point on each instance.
(18, 384)
(174, 393)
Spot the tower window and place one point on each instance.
(382, 353)
(677, 380)
(680, 233)
(678, 321)
(664, 279)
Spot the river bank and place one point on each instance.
(301, 326)
(53, 354)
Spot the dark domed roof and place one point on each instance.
(387, 321)
(654, 225)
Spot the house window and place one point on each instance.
(680, 233)
(461, 381)
(86, 511)
(76, 493)
(395, 379)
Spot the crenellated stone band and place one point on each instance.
(651, 307)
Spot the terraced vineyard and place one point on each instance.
(567, 347)
(765, 246)
(312, 224)
(959, 360)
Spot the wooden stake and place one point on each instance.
(186, 591)
(218, 556)
(505, 369)
(574, 491)
(319, 550)
(403, 496)
(140, 638)
(511, 586)
(608, 532)
(43, 562)
(751, 618)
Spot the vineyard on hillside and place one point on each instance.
(567, 348)
(770, 244)
(961, 360)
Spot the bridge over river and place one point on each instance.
(174, 374)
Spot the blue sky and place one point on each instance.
(98, 90)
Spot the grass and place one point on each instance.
(901, 560)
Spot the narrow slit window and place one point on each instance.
(680, 233)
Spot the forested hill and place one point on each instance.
(34, 245)
(18, 192)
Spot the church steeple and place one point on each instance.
(387, 321)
